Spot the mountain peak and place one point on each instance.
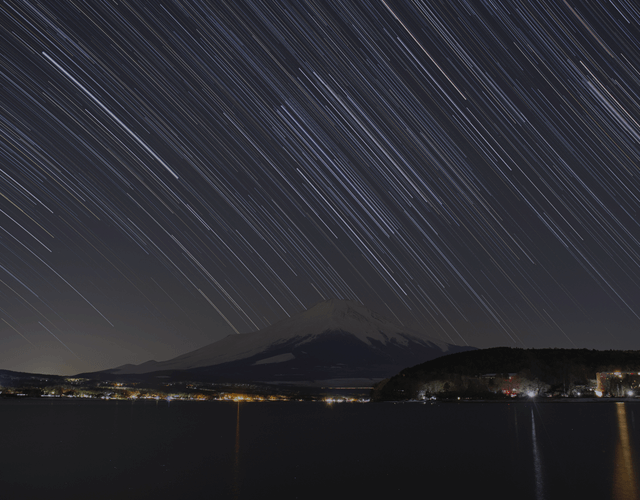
(331, 328)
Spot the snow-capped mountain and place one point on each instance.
(333, 339)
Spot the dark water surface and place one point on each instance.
(107, 449)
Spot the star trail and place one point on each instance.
(175, 172)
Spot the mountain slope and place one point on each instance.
(335, 338)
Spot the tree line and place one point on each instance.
(504, 371)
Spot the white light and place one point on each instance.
(531, 394)
(630, 393)
(599, 393)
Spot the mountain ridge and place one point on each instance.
(333, 336)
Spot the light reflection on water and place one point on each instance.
(236, 463)
(625, 482)
(537, 460)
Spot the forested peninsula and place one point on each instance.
(505, 372)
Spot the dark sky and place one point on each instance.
(174, 172)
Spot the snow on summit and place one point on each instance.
(355, 318)
(348, 318)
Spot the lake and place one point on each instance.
(123, 449)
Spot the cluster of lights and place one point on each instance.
(342, 400)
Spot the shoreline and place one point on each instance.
(529, 400)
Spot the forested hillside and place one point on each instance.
(505, 371)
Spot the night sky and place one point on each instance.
(174, 172)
